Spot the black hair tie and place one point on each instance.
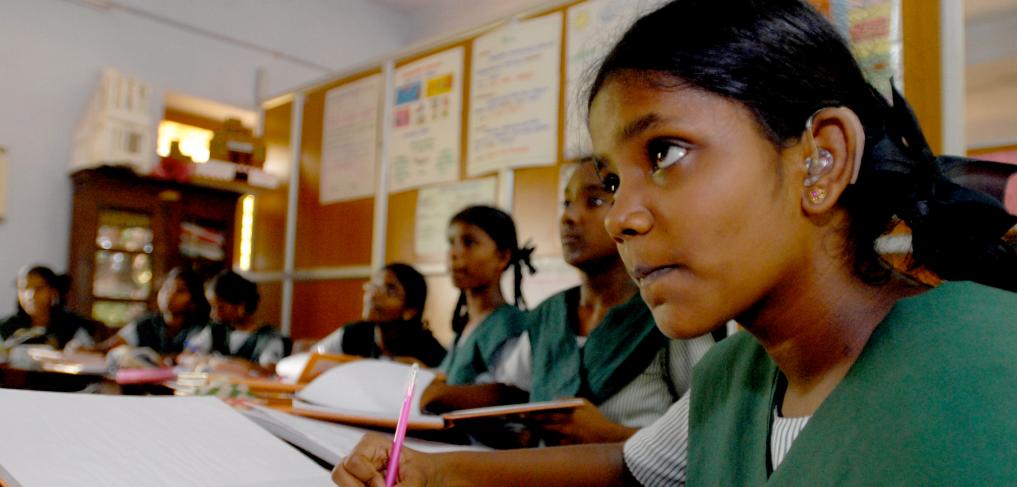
(956, 231)
(524, 254)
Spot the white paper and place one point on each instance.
(330, 441)
(593, 28)
(514, 85)
(63, 439)
(289, 368)
(437, 204)
(349, 140)
(366, 388)
(427, 121)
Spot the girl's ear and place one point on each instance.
(409, 313)
(504, 259)
(831, 151)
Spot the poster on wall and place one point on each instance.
(592, 29)
(873, 27)
(514, 85)
(437, 204)
(426, 123)
(349, 140)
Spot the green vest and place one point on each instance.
(473, 356)
(622, 345)
(931, 400)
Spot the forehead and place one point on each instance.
(466, 229)
(386, 276)
(630, 104)
(584, 177)
(31, 280)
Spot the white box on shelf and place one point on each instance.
(117, 127)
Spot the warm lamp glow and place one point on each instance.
(246, 231)
(193, 140)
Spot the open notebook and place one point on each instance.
(56, 439)
(329, 441)
(371, 392)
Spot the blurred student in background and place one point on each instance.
(482, 246)
(392, 323)
(231, 331)
(41, 316)
(182, 310)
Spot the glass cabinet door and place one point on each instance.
(122, 283)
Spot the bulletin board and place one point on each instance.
(335, 238)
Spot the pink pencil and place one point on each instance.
(400, 432)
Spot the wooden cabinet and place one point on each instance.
(128, 231)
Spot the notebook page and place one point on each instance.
(88, 440)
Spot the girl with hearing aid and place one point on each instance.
(753, 169)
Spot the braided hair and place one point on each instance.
(499, 226)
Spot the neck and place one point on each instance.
(173, 320)
(42, 318)
(600, 290)
(816, 327)
(482, 300)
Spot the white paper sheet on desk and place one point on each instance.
(368, 388)
(55, 439)
(329, 441)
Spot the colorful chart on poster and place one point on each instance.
(873, 28)
(593, 28)
(349, 140)
(426, 122)
(437, 204)
(514, 80)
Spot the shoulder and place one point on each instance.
(555, 302)
(505, 320)
(737, 363)
(961, 301)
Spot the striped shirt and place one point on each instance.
(643, 400)
(658, 455)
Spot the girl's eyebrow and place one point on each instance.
(637, 127)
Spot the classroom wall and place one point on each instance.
(991, 58)
(52, 51)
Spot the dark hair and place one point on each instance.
(499, 226)
(783, 61)
(414, 287)
(195, 287)
(234, 289)
(61, 283)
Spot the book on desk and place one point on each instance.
(370, 393)
(62, 439)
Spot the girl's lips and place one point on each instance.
(645, 274)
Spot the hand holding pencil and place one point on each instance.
(363, 466)
(366, 465)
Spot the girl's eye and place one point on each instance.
(610, 182)
(595, 202)
(664, 154)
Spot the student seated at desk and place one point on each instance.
(482, 246)
(754, 169)
(597, 341)
(41, 316)
(182, 311)
(232, 331)
(393, 326)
